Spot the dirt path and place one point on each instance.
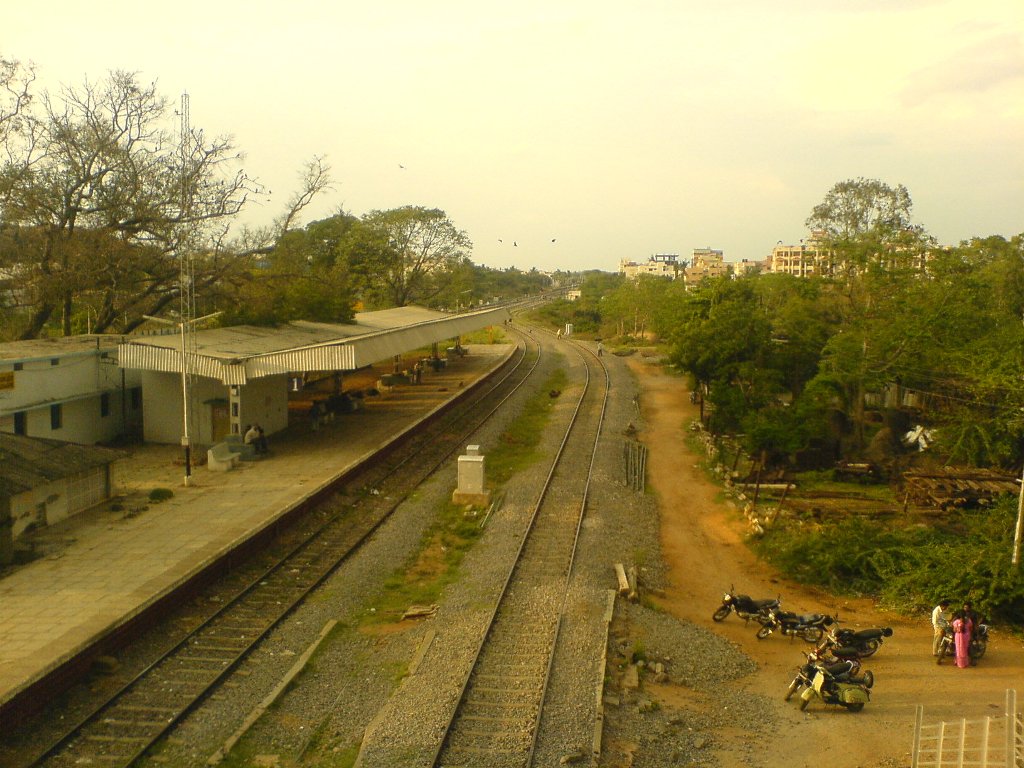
(702, 543)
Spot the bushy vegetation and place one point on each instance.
(908, 567)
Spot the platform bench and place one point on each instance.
(245, 451)
(221, 458)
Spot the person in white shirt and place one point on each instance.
(940, 624)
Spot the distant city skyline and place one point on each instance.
(583, 132)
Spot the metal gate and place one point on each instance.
(989, 742)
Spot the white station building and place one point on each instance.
(242, 375)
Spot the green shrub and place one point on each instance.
(160, 494)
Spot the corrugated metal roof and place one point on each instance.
(234, 355)
(28, 462)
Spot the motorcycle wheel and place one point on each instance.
(869, 679)
(855, 707)
(763, 632)
(803, 704)
(869, 648)
(721, 613)
(791, 690)
(979, 650)
(812, 634)
(942, 654)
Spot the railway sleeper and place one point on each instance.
(489, 741)
(484, 696)
(501, 680)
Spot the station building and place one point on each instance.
(69, 388)
(243, 374)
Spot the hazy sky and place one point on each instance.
(622, 130)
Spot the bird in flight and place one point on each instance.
(515, 244)
(401, 166)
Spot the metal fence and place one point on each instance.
(989, 742)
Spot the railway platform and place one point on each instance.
(98, 570)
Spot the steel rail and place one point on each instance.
(61, 748)
(492, 637)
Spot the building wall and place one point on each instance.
(51, 503)
(263, 401)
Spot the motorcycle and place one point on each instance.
(809, 626)
(744, 606)
(837, 684)
(839, 662)
(864, 641)
(976, 649)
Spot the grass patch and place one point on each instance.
(444, 545)
(492, 334)
(432, 568)
(517, 447)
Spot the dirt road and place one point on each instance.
(702, 543)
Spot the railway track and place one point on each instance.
(497, 720)
(126, 725)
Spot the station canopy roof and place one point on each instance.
(239, 353)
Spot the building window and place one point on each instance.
(54, 361)
(56, 417)
(105, 404)
(20, 422)
(19, 366)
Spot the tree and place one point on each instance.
(405, 255)
(101, 200)
(855, 208)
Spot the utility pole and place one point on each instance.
(1020, 525)
(185, 286)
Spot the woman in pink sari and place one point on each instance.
(963, 627)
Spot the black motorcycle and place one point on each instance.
(864, 641)
(809, 626)
(744, 606)
(976, 649)
(841, 664)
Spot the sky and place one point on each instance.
(571, 134)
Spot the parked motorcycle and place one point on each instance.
(864, 641)
(976, 649)
(843, 663)
(837, 684)
(744, 606)
(809, 626)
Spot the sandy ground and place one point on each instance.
(702, 541)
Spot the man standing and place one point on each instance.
(940, 624)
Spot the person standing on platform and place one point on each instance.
(314, 415)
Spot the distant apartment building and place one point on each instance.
(803, 260)
(706, 263)
(751, 267)
(659, 265)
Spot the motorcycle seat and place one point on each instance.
(838, 669)
(869, 634)
(747, 603)
(845, 652)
